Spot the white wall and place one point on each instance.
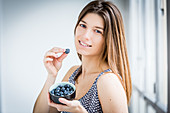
(30, 28)
(0, 47)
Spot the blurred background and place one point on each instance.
(29, 28)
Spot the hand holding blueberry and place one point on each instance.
(53, 62)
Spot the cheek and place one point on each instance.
(98, 42)
(76, 35)
(78, 31)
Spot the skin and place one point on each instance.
(111, 93)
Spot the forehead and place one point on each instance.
(93, 19)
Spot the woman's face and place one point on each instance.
(89, 38)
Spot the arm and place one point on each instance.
(53, 64)
(41, 104)
(66, 78)
(72, 106)
(112, 95)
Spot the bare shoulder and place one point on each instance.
(110, 79)
(70, 71)
(111, 93)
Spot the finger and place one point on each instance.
(72, 103)
(62, 57)
(65, 101)
(51, 54)
(48, 59)
(59, 106)
(50, 102)
(57, 50)
(48, 98)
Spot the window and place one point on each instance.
(148, 56)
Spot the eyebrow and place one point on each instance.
(94, 26)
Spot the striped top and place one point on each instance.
(90, 101)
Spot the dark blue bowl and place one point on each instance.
(55, 98)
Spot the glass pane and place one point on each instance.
(151, 110)
(135, 102)
(162, 57)
(142, 105)
(150, 41)
(141, 47)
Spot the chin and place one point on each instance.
(81, 52)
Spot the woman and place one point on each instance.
(103, 82)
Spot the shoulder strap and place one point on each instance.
(105, 71)
(74, 74)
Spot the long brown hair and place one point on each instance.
(114, 50)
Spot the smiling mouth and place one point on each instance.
(83, 44)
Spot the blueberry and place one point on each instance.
(63, 89)
(52, 92)
(69, 93)
(67, 51)
(67, 89)
(60, 86)
(58, 94)
(71, 89)
(57, 90)
(65, 92)
(62, 95)
(55, 93)
(67, 86)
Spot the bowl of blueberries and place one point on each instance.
(62, 90)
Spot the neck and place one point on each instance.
(90, 65)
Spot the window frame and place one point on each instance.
(168, 44)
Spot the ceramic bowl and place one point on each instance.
(62, 90)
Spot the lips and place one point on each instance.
(84, 44)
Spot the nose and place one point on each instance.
(87, 34)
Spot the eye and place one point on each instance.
(97, 31)
(82, 25)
